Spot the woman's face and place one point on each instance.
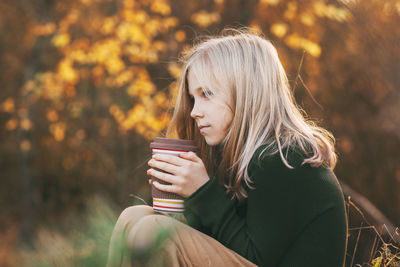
(210, 110)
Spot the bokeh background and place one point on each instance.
(87, 84)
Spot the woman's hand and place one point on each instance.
(186, 173)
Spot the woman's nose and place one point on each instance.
(196, 112)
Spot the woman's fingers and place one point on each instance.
(166, 177)
(163, 166)
(171, 159)
(166, 188)
(190, 156)
(185, 174)
(174, 181)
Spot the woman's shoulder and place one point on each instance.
(268, 169)
(295, 170)
(266, 155)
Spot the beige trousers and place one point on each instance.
(143, 238)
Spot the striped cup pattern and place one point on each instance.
(165, 201)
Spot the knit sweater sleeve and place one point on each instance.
(294, 217)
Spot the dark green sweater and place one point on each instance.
(293, 217)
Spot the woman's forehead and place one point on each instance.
(198, 82)
(201, 78)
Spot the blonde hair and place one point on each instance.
(265, 113)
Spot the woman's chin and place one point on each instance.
(212, 142)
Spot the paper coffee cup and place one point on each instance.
(165, 201)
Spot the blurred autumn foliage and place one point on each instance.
(87, 84)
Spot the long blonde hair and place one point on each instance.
(265, 113)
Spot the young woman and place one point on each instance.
(262, 192)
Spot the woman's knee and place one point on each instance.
(151, 229)
(157, 221)
(133, 214)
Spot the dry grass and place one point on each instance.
(368, 245)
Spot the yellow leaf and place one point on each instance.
(78, 56)
(128, 15)
(140, 128)
(291, 10)
(104, 50)
(98, 71)
(160, 46)
(45, 29)
(70, 91)
(129, 4)
(25, 145)
(50, 85)
(108, 25)
(150, 135)
(270, 2)
(71, 18)
(152, 27)
(180, 36)
(26, 124)
(378, 262)
(312, 48)
(279, 29)
(8, 105)
(307, 19)
(52, 115)
(170, 22)
(58, 131)
(66, 72)
(330, 11)
(174, 70)
(29, 86)
(117, 113)
(60, 40)
(397, 5)
(86, 2)
(161, 100)
(205, 19)
(114, 65)
(140, 17)
(141, 88)
(123, 78)
(158, 125)
(161, 7)
(12, 124)
(295, 41)
(135, 116)
(131, 31)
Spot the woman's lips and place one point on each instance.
(203, 128)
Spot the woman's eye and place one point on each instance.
(207, 93)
